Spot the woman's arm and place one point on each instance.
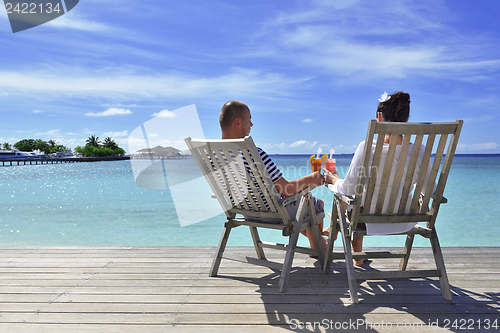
(347, 185)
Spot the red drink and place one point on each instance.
(330, 165)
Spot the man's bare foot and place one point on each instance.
(325, 242)
(359, 262)
(325, 245)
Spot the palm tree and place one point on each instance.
(93, 141)
(52, 143)
(110, 143)
(7, 146)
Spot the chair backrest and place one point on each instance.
(393, 175)
(238, 177)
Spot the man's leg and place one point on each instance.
(319, 207)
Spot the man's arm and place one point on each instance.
(287, 188)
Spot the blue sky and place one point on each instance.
(310, 71)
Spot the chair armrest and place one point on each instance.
(348, 199)
(297, 195)
(443, 199)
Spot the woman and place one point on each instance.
(392, 108)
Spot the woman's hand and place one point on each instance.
(330, 177)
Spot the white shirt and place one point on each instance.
(347, 186)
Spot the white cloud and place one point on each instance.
(307, 120)
(37, 111)
(479, 119)
(77, 22)
(352, 43)
(109, 112)
(164, 114)
(477, 147)
(303, 143)
(115, 134)
(51, 132)
(131, 83)
(119, 105)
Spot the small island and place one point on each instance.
(158, 153)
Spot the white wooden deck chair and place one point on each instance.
(378, 199)
(242, 185)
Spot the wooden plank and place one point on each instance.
(132, 292)
(386, 175)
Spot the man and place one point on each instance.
(236, 122)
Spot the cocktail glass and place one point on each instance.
(330, 164)
(316, 162)
(315, 165)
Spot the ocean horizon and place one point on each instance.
(99, 204)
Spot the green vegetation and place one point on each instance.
(94, 147)
(47, 147)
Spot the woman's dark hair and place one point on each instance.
(396, 108)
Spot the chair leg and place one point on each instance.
(256, 243)
(315, 230)
(292, 243)
(290, 252)
(406, 251)
(438, 257)
(331, 240)
(351, 278)
(220, 250)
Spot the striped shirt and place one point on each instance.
(272, 169)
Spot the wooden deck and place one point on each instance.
(163, 289)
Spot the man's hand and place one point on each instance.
(287, 188)
(316, 178)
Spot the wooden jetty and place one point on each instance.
(167, 289)
(36, 161)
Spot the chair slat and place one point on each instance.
(445, 170)
(258, 177)
(409, 174)
(414, 208)
(372, 172)
(235, 178)
(242, 171)
(399, 173)
(417, 128)
(435, 168)
(386, 175)
(213, 176)
(365, 163)
(225, 174)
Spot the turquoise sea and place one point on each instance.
(99, 204)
